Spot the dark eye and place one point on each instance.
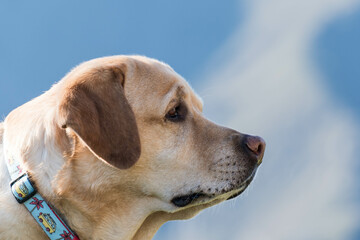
(173, 113)
(176, 114)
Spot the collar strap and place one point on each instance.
(25, 193)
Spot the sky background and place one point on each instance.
(285, 70)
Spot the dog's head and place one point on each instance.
(145, 123)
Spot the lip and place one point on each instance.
(243, 186)
(184, 200)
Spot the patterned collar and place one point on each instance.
(25, 193)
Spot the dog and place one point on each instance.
(118, 147)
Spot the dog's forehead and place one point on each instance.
(155, 84)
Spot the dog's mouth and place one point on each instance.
(184, 200)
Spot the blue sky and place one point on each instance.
(337, 54)
(202, 40)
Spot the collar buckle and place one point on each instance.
(22, 188)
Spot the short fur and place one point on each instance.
(100, 147)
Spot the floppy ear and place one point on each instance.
(96, 109)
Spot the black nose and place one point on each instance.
(256, 147)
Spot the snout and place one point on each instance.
(252, 149)
(231, 168)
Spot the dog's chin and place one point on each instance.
(242, 187)
(201, 197)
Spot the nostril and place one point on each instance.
(256, 145)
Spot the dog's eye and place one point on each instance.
(176, 114)
(173, 113)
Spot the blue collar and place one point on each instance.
(25, 193)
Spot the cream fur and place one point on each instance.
(98, 200)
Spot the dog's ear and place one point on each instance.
(94, 106)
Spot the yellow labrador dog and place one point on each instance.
(118, 147)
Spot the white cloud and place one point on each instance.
(266, 84)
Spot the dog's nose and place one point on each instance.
(256, 145)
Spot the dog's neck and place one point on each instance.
(94, 197)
